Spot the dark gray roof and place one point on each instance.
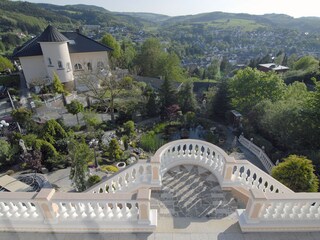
(77, 43)
(51, 34)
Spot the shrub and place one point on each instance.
(297, 173)
(151, 141)
(129, 128)
(92, 180)
(109, 168)
(125, 140)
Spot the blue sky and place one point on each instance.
(295, 8)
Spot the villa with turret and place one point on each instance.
(63, 53)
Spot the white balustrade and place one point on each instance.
(251, 177)
(124, 200)
(265, 160)
(194, 152)
(128, 179)
(75, 212)
(70, 208)
(16, 206)
(279, 212)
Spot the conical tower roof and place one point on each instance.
(51, 34)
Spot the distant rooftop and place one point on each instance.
(274, 67)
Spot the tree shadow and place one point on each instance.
(192, 194)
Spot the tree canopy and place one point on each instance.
(250, 86)
(297, 173)
(5, 64)
(111, 42)
(75, 107)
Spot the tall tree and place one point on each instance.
(148, 57)
(151, 105)
(75, 107)
(213, 71)
(111, 42)
(106, 87)
(168, 94)
(250, 86)
(187, 99)
(80, 154)
(220, 102)
(297, 173)
(170, 67)
(128, 54)
(286, 120)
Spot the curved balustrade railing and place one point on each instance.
(214, 159)
(194, 152)
(130, 179)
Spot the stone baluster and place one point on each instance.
(107, 211)
(116, 211)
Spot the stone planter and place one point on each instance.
(121, 165)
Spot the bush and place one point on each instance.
(125, 140)
(159, 128)
(109, 168)
(92, 180)
(10, 81)
(211, 137)
(297, 173)
(151, 141)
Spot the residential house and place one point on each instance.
(65, 53)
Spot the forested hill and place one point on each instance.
(306, 24)
(19, 21)
(32, 18)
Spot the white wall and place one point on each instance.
(57, 51)
(92, 57)
(34, 68)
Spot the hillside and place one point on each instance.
(93, 15)
(306, 24)
(196, 39)
(29, 17)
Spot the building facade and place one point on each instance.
(66, 54)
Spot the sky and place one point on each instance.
(294, 8)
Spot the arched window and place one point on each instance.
(89, 66)
(100, 65)
(77, 67)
